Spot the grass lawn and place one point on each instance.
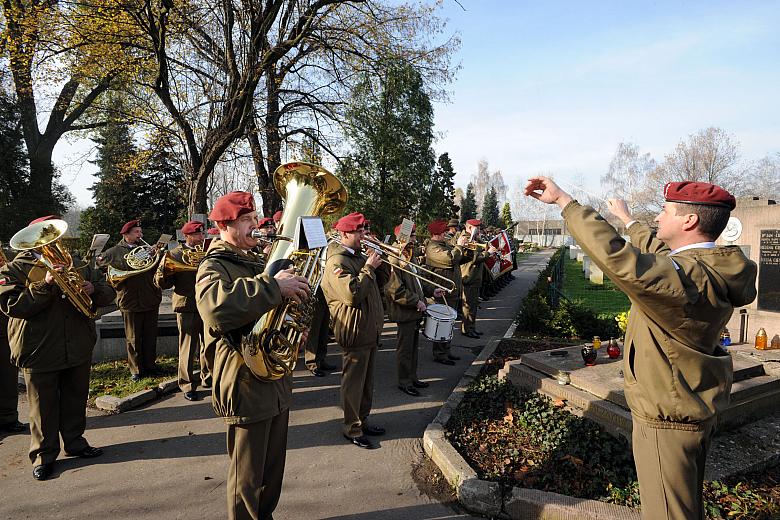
(113, 378)
(602, 299)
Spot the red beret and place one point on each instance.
(265, 221)
(41, 219)
(702, 193)
(351, 222)
(213, 231)
(128, 226)
(437, 227)
(277, 216)
(231, 206)
(193, 226)
(398, 229)
(474, 222)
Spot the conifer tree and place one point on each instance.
(490, 209)
(468, 208)
(506, 215)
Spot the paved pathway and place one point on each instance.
(168, 460)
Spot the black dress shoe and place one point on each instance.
(445, 361)
(420, 384)
(90, 452)
(14, 427)
(411, 390)
(361, 442)
(43, 471)
(373, 430)
(317, 372)
(192, 395)
(453, 357)
(135, 377)
(471, 334)
(478, 333)
(324, 365)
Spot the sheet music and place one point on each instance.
(98, 243)
(406, 231)
(310, 233)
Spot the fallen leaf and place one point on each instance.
(559, 403)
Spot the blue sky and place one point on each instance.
(553, 87)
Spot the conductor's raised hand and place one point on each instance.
(619, 208)
(292, 286)
(545, 190)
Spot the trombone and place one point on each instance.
(404, 255)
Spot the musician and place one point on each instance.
(453, 227)
(232, 293)
(267, 229)
(351, 285)
(277, 217)
(52, 342)
(316, 347)
(138, 299)
(183, 302)
(445, 260)
(9, 385)
(471, 268)
(406, 306)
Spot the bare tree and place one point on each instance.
(628, 169)
(763, 179)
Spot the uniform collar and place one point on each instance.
(697, 245)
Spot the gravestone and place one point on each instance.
(596, 275)
(769, 271)
(580, 256)
(573, 251)
(586, 263)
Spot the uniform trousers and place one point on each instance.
(357, 388)
(258, 452)
(190, 342)
(207, 352)
(58, 406)
(9, 385)
(316, 348)
(670, 467)
(406, 351)
(470, 305)
(141, 338)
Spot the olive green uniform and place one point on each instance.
(232, 294)
(316, 348)
(677, 377)
(187, 318)
(351, 289)
(52, 342)
(444, 259)
(403, 291)
(9, 378)
(138, 299)
(472, 268)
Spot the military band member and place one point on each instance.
(316, 348)
(406, 306)
(351, 285)
(445, 260)
(267, 228)
(683, 289)
(52, 342)
(277, 218)
(453, 228)
(232, 294)
(190, 325)
(472, 268)
(9, 385)
(138, 299)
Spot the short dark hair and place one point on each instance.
(712, 219)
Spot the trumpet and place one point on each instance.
(404, 255)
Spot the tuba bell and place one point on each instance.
(42, 239)
(270, 350)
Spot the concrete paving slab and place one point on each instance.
(168, 459)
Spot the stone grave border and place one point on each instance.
(113, 404)
(484, 497)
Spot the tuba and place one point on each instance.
(42, 239)
(270, 350)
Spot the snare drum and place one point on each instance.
(439, 322)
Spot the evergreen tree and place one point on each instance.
(14, 172)
(468, 209)
(506, 216)
(441, 198)
(390, 172)
(490, 209)
(162, 189)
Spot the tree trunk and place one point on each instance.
(265, 184)
(198, 202)
(273, 141)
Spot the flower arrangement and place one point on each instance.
(622, 321)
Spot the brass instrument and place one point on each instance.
(260, 237)
(140, 260)
(270, 350)
(3, 259)
(42, 239)
(405, 255)
(190, 260)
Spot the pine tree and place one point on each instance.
(468, 209)
(441, 197)
(506, 215)
(490, 209)
(162, 189)
(14, 172)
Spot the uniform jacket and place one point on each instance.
(137, 293)
(445, 260)
(183, 283)
(403, 291)
(351, 289)
(675, 374)
(472, 266)
(232, 293)
(45, 331)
